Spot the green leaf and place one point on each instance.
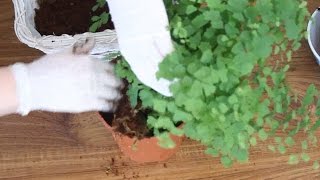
(199, 21)
(253, 141)
(226, 161)
(223, 108)
(207, 56)
(242, 155)
(172, 107)
(289, 141)
(194, 105)
(202, 129)
(293, 159)
(305, 157)
(209, 89)
(296, 46)
(237, 5)
(94, 26)
(224, 38)
(164, 122)
(289, 55)
(215, 18)
(95, 7)
(263, 135)
(165, 141)
(242, 140)
(278, 140)
(146, 98)
(181, 116)
(272, 148)
(190, 9)
(244, 63)
(285, 126)
(233, 99)
(159, 105)
(276, 50)
(104, 17)
(223, 75)
(262, 46)
(238, 48)
(282, 149)
(311, 91)
(101, 3)
(133, 94)
(316, 165)
(95, 18)
(195, 90)
(304, 145)
(212, 152)
(292, 29)
(176, 131)
(238, 16)
(202, 73)
(315, 126)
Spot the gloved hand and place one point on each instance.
(144, 38)
(69, 81)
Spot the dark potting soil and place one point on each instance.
(128, 121)
(57, 17)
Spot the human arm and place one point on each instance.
(8, 97)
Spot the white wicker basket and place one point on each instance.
(106, 41)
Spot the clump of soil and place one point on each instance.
(57, 17)
(128, 121)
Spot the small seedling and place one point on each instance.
(98, 21)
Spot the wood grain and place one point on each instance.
(76, 146)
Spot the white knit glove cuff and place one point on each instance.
(23, 89)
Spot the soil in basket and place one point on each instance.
(127, 120)
(57, 17)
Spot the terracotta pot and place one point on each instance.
(145, 150)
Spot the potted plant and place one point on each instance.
(130, 123)
(54, 25)
(227, 90)
(230, 93)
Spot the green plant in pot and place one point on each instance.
(131, 128)
(228, 89)
(129, 123)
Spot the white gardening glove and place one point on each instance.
(144, 38)
(69, 81)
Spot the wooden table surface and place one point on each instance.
(65, 146)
